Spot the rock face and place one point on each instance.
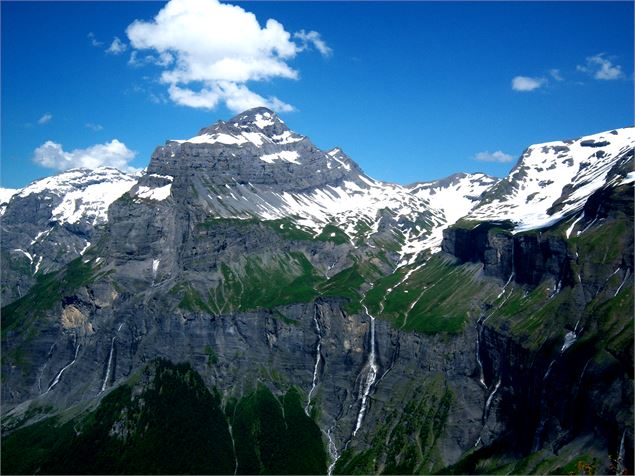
(254, 147)
(278, 271)
(52, 221)
(530, 257)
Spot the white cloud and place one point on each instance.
(497, 156)
(93, 127)
(600, 67)
(116, 47)
(314, 38)
(93, 40)
(555, 74)
(164, 59)
(45, 119)
(210, 50)
(526, 83)
(112, 154)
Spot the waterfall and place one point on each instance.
(628, 272)
(481, 377)
(548, 370)
(488, 403)
(368, 381)
(108, 368)
(556, 290)
(481, 322)
(620, 457)
(318, 331)
(231, 435)
(332, 452)
(110, 356)
(155, 268)
(569, 339)
(511, 276)
(59, 374)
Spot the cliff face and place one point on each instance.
(559, 389)
(323, 297)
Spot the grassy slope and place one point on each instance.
(437, 297)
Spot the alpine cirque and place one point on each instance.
(252, 304)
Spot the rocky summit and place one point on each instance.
(251, 304)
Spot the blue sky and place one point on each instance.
(411, 91)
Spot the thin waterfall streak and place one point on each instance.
(620, 456)
(231, 435)
(318, 331)
(371, 376)
(481, 378)
(511, 276)
(109, 366)
(488, 403)
(411, 307)
(333, 453)
(628, 272)
(59, 374)
(583, 372)
(548, 370)
(155, 268)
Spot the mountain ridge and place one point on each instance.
(414, 345)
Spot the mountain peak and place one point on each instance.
(259, 120)
(255, 125)
(261, 117)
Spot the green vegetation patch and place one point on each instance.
(173, 426)
(436, 297)
(275, 436)
(46, 293)
(333, 234)
(288, 229)
(345, 284)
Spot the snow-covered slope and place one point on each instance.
(254, 166)
(451, 198)
(258, 126)
(455, 195)
(52, 221)
(82, 194)
(554, 179)
(5, 196)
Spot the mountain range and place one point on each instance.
(275, 310)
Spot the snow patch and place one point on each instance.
(567, 172)
(284, 155)
(154, 193)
